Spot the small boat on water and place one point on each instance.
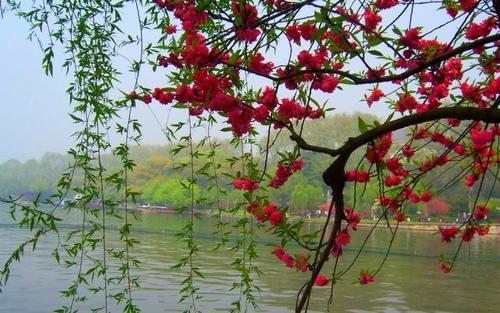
(154, 209)
(159, 209)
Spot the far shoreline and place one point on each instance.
(417, 226)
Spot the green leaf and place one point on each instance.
(376, 53)
(362, 126)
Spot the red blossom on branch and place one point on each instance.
(448, 233)
(366, 278)
(321, 280)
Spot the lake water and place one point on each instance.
(409, 282)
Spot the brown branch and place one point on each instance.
(362, 81)
(338, 184)
(491, 115)
(334, 176)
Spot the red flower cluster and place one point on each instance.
(395, 167)
(481, 163)
(275, 216)
(365, 278)
(268, 98)
(278, 4)
(310, 61)
(375, 96)
(442, 139)
(375, 73)
(163, 97)
(424, 196)
(171, 59)
(406, 102)
(295, 32)
(246, 15)
(171, 29)
(299, 262)
(291, 81)
(469, 232)
(481, 138)
(408, 151)
(240, 119)
(435, 84)
(269, 212)
(340, 41)
(196, 52)
(468, 5)
(353, 218)
(429, 164)
(284, 257)
(392, 180)
(448, 233)
(261, 113)
(256, 64)
(399, 216)
(389, 202)
(284, 172)
(385, 4)
(247, 34)
(184, 11)
(481, 212)
(289, 109)
(343, 238)
(444, 266)
(358, 176)
(326, 83)
(411, 38)
(245, 184)
(321, 280)
(379, 148)
(472, 93)
(372, 19)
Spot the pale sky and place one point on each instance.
(35, 107)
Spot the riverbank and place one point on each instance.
(417, 226)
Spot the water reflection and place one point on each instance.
(409, 282)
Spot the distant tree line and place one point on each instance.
(159, 175)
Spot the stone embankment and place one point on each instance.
(494, 228)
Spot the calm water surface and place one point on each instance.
(409, 282)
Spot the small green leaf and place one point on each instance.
(362, 126)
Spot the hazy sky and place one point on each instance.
(34, 107)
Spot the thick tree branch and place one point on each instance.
(491, 115)
(337, 185)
